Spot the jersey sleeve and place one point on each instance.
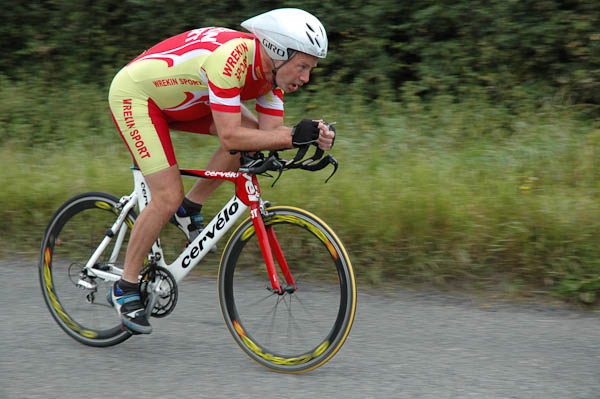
(225, 71)
(271, 103)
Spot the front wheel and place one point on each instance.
(76, 299)
(302, 327)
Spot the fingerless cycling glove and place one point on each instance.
(305, 132)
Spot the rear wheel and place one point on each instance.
(304, 326)
(76, 299)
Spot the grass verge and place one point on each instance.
(438, 193)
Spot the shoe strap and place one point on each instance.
(129, 298)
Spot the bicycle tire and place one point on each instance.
(73, 234)
(324, 301)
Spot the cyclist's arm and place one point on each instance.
(270, 116)
(234, 136)
(268, 122)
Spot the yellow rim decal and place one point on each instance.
(103, 205)
(288, 361)
(56, 305)
(47, 257)
(238, 328)
(106, 206)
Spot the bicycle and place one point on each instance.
(314, 285)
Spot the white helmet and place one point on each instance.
(284, 30)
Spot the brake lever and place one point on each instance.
(328, 160)
(280, 166)
(277, 178)
(334, 162)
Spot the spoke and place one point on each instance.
(293, 323)
(294, 328)
(304, 307)
(269, 332)
(262, 299)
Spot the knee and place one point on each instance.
(174, 200)
(167, 203)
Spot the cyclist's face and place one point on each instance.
(296, 72)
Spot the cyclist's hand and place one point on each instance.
(306, 132)
(326, 136)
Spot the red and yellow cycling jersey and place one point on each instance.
(203, 69)
(177, 83)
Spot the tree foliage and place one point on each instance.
(502, 49)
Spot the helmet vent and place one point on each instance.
(310, 38)
(310, 27)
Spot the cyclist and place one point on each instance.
(195, 82)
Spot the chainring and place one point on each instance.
(169, 293)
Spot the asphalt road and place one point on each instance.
(406, 345)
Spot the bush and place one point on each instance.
(502, 49)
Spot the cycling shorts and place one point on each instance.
(144, 127)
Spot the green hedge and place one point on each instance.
(501, 49)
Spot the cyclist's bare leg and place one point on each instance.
(203, 188)
(167, 193)
(221, 160)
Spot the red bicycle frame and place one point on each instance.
(248, 192)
